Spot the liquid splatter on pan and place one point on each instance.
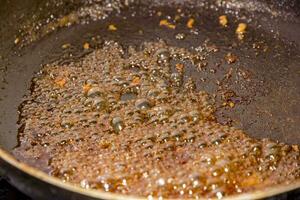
(133, 120)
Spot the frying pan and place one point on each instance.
(269, 105)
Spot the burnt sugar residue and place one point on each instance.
(134, 122)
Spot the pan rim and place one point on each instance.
(42, 176)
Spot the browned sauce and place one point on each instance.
(131, 123)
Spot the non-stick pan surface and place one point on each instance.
(268, 104)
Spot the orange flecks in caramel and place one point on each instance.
(167, 24)
(223, 20)
(61, 82)
(86, 45)
(241, 30)
(179, 67)
(251, 181)
(86, 88)
(136, 81)
(230, 58)
(231, 104)
(112, 27)
(17, 40)
(65, 46)
(190, 23)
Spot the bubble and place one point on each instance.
(217, 141)
(85, 184)
(164, 137)
(66, 123)
(99, 103)
(163, 111)
(143, 104)
(219, 195)
(128, 96)
(177, 134)
(92, 121)
(148, 145)
(91, 82)
(190, 137)
(195, 115)
(112, 102)
(286, 149)
(162, 55)
(183, 118)
(153, 93)
(117, 124)
(180, 36)
(94, 92)
(169, 146)
(256, 149)
(168, 127)
(106, 187)
(67, 110)
(161, 182)
(176, 79)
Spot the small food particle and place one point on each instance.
(112, 27)
(180, 36)
(231, 104)
(223, 20)
(296, 148)
(61, 82)
(159, 13)
(251, 181)
(256, 45)
(162, 55)
(179, 67)
(136, 81)
(241, 30)
(86, 88)
(190, 23)
(86, 45)
(177, 17)
(105, 144)
(17, 40)
(230, 58)
(66, 46)
(67, 20)
(85, 184)
(167, 24)
(140, 32)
